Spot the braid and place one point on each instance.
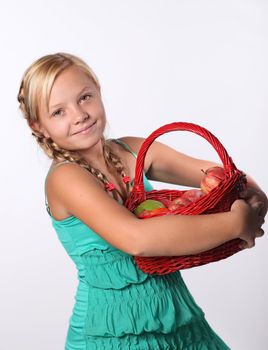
(61, 154)
(116, 162)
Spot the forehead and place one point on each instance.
(70, 80)
(68, 84)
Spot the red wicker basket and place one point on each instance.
(219, 199)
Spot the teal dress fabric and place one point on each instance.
(118, 307)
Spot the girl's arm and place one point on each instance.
(165, 164)
(82, 196)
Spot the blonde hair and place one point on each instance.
(36, 86)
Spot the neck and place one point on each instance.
(95, 156)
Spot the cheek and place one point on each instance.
(58, 131)
(97, 111)
(101, 112)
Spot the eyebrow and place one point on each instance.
(59, 104)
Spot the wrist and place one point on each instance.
(236, 227)
(237, 213)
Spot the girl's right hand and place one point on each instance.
(249, 221)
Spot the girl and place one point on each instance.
(117, 305)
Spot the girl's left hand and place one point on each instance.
(252, 195)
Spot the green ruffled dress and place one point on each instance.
(118, 307)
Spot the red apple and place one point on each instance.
(212, 178)
(178, 202)
(193, 194)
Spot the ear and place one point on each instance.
(36, 127)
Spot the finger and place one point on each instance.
(261, 220)
(246, 193)
(260, 233)
(251, 243)
(243, 194)
(243, 245)
(257, 206)
(253, 199)
(263, 211)
(247, 244)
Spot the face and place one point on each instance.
(75, 118)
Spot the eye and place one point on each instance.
(57, 113)
(85, 97)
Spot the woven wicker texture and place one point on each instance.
(219, 199)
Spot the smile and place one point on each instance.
(85, 130)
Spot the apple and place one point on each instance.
(212, 178)
(178, 202)
(193, 194)
(145, 214)
(148, 204)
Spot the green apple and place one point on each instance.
(148, 204)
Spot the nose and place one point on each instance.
(79, 115)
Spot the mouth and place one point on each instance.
(85, 129)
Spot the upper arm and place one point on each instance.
(79, 192)
(165, 164)
(169, 165)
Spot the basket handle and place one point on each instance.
(229, 166)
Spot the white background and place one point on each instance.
(158, 61)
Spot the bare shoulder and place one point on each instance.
(64, 179)
(58, 179)
(63, 171)
(81, 195)
(60, 176)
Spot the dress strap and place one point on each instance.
(52, 168)
(125, 146)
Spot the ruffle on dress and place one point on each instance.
(123, 300)
(196, 336)
(111, 269)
